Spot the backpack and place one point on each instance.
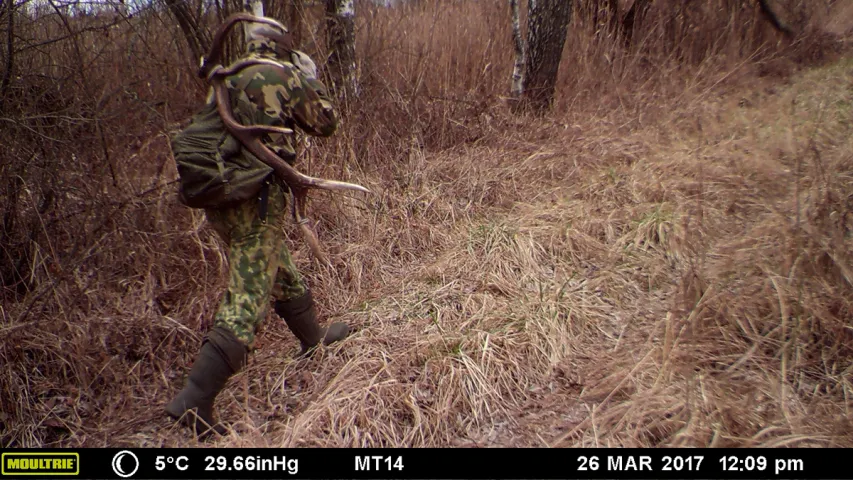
(215, 170)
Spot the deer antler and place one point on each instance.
(250, 136)
(298, 182)
(215, 53)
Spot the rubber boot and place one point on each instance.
(300, 315)
(221, 356)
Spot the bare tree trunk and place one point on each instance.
(10, 50)
(517, 89)
(197, 38)
(632, 16)
(230, 48)
(340, 25)
(548, 22)
(774, 19)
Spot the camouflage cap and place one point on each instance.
(269, 39)
(265, 37)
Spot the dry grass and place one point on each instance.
(666, 260)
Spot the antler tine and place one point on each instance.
(235, 67)
(215, 52)
(250, 137)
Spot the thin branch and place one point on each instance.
(196, 36)
(15, 122)
(99, 28)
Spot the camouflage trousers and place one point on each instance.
(260, 266)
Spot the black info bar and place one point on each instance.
(489, 463)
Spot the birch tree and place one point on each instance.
(517, 89)
(538, 63)
(256, 8)
(340, 28)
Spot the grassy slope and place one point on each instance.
(681, 281)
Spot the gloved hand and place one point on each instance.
(304, 63)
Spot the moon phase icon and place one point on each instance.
(117, 459)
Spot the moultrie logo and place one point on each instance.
(40, 463)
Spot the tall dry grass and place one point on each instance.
(611, 274)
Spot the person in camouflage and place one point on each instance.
(260, 264)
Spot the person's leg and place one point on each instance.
(289, 283)
(294, 303)
(221, 355)
(253, 259)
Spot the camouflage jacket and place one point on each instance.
(287, 97)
